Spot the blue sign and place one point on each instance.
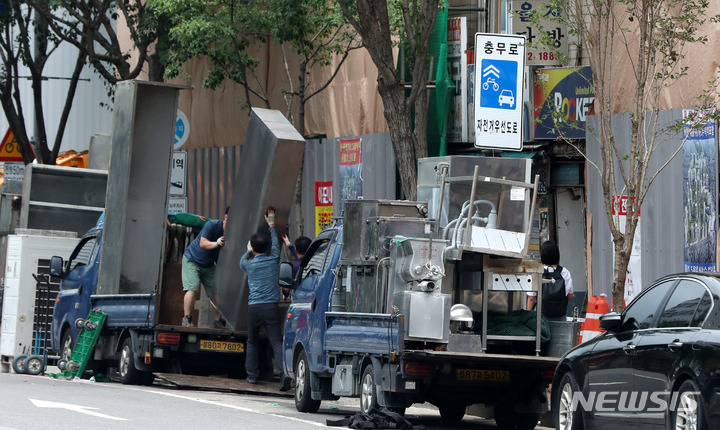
(498, 84)
(182, 130)
(499, 99)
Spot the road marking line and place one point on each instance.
(239, 408)
(77, 408)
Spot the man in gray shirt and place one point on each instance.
(264, 296)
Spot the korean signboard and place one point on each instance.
(499, 74)
(350, 169)
(547, 19)
(457, 63)
(178, 174)
(323, 205)
(562, 98)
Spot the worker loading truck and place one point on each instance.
(410, 302)
(129, 266)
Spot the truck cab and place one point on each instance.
(79, 280)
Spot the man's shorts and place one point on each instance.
(193, 275)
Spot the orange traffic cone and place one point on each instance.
(591, 327)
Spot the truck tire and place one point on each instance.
(18, 364)
(303, 398)
(129, 375)
(368, 393)
(66, 345)
(452, 411)
(34, 365)
(564, 417)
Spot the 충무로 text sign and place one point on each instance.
(499, 74)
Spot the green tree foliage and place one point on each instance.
(26, 44)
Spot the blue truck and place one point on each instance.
(130, 266)
(396, 308)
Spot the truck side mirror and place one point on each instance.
(285, 278)
(56, 267)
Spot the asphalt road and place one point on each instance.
(34, 402)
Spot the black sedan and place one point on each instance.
(656, 366)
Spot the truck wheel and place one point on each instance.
(564, 416)
(18, 364)
(303, 399)
(34, 365)
(368, 394)
(66, 345)
(129, 375)
(452, 411)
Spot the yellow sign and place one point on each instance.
(10, 149)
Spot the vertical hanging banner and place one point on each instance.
(457, 63)
(700, 193)
(323, 206)
(350, 169)
(633, 280)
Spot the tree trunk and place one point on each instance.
(402, 136)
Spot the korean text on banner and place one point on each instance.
(323, 206)
(350, 169)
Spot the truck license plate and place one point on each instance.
(482, 375)
(216, 345)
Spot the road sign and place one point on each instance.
(182, 130)
(177, 204)
(9, 148)
(14, 171)
(178, 174)
(499, 74)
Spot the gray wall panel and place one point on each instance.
(661, 215)
(322, 164)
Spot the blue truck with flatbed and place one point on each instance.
(397, 308)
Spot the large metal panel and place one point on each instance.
(138, 187)
(269, 168)
(62, 198)
(456, 193)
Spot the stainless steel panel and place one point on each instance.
(99, 152)
(343, 382)
(62, 198)
(138, 186)
(361, 240)
(269, 168)
(427, 316)
(511, 214)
